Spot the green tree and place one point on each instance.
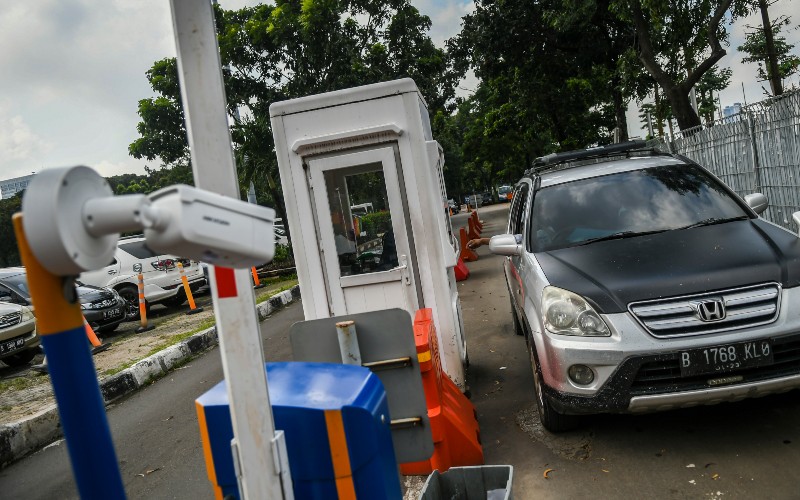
(712, 81)
(678, 41)
(9, 253)
(292, 49)
(775, 60)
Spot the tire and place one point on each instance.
(130, 294)
(20, 358)
(552, 419)
(175, 301)
(109, 329)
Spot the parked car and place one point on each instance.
(505, 193)
(103, 308)
(643, 283)
(162, 279)
(488, 199)
(19, 342)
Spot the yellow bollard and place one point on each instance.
(256, 282)
(193, 309)
(142, 308)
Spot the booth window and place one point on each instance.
(361, 219)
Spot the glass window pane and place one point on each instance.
(361, 220)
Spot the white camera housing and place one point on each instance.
(72, 222)
(206, 226)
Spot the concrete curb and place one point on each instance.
(26, 436)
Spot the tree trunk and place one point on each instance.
(619, 110)
(682, 108)
(658, 108)
(773, 73)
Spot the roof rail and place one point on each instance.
(556, 161)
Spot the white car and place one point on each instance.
(162, 279)
(18, 340)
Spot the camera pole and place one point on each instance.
(259, 453)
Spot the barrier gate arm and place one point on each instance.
(260, 456)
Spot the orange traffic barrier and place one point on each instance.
(256, 282)
(467, 254)
(193, 309)
(473, 231)
(461, 270)
(478, 223)
(142, 308)
(454, 425)
(90, 333)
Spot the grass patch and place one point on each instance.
(21, 383)
(289, 284)
(205, 325)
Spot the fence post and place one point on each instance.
(751, 130)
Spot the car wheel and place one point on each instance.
(109, 329)
(552, 420)
(130, 294)
(21, 358)
(176, 301)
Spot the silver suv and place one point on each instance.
(641, 282)
(162, 279)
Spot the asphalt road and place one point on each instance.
(743, 450)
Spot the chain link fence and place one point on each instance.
(757, 150)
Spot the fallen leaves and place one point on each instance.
(546, 472)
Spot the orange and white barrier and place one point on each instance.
(142, 309)
(477, 221)
(193, 309)
(454, 425)
(473, 230)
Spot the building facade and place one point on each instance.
(10, 187)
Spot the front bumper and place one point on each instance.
(95, 316)
(636, 372)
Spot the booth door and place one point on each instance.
(359, 209)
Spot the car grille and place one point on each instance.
(744, 307)
(664, 374)
(10, 319)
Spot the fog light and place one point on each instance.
(581, 374)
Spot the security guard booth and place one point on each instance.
(367, 207)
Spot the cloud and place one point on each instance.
(18, 143)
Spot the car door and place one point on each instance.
(514, 265)
(367, 260)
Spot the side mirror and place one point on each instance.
(757, 201)
(505, 244)
(5, 298)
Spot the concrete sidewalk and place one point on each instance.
(20, 438)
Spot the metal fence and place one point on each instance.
(757, 150)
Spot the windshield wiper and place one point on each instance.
(713, 220)
(618, 236)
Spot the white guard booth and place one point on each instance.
(367, 208)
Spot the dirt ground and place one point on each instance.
(24, 392)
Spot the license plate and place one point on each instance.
(112, 313)
(11, 345)
(726, 358)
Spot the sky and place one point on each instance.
(72, 73)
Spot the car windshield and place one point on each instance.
(18, 283)
(628, 204)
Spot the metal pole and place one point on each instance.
(261, 469)
(348, 343)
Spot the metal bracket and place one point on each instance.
(281, 461)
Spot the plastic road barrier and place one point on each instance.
(492, 482)
(142, 309)
(454, 424)
(339, 445)
(193, 309)
(467, 254)
(256, 282)
(90, 334)
(74, 380)
(478, 223)
(473, 230)
(461, 269)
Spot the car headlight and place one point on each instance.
(27, 314)
(86, 305)
(566, 313)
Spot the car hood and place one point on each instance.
(88, 294)
(611, 274)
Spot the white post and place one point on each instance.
(257, 455)
(348, 343)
